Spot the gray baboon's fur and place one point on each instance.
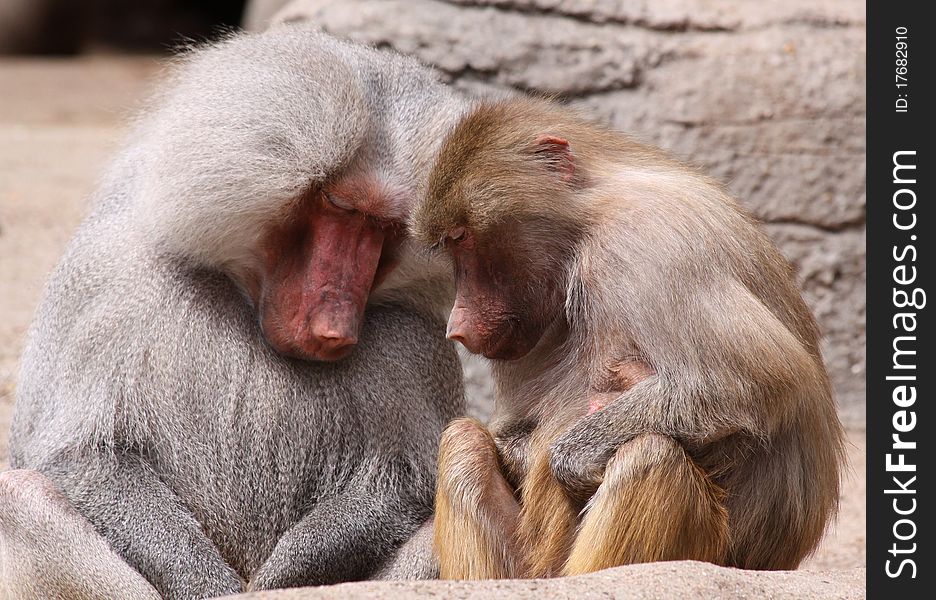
(148, 395)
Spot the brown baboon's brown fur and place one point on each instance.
(660, 390)
(652, 477)
(472, 478)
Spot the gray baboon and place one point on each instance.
(189, 383)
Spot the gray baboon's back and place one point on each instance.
(148, 394)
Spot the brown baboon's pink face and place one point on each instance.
(510, 250)
(497, 312)
(319, 268)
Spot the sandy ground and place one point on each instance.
(653, 581)
(60, 120)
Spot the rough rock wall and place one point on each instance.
(767, 96)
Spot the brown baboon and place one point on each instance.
(660, 390)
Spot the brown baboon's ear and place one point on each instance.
(557, 155)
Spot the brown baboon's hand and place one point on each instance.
(579, 456)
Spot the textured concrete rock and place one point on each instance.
(767, 96)
(635, 582)
(509, 49)
(690, 15)
(478, 385)
(259, 13)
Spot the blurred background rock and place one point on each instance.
(72, 26)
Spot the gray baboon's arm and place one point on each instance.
(49, 550)
(414, 559)
(346, 536)
(145, 523)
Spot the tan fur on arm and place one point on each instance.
(476, 512)
(654, 504)
(547, 520)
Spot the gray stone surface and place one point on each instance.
(653, 581)
(767, 96)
